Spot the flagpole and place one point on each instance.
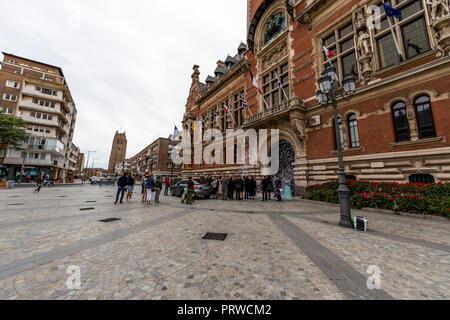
(281, 86)
(400, 57)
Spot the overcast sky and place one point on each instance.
(128, 63)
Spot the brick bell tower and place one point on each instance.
(118, 151)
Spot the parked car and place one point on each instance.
(109, 181)
(201, 190)
(94, 180)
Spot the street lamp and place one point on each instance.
(87, 164)
(329, 88)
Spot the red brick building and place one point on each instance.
(154, 159)
(396, 127)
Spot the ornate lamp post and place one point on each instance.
(329, 88)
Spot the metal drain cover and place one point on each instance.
(16, 204)
(91, 201)
(109, 220)
(215, 236)
(85, 209)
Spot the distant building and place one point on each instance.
(37, 93)
(155, 159)
(118, 151)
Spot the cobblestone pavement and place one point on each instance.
(288, 250)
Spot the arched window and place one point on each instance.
(274, 26)
(341, 134)
(424, 116)
(353, 131)
(401, 124)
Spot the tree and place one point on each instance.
(12, 131)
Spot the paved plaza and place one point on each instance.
(288, 250)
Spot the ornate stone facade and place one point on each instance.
(380, 143)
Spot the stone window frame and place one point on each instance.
(345, 130)
(409, 100)
(336, 47)
(237, 109)
(354, 138)
(272, 83)
(397, 26)
(417, 117)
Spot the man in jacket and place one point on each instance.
(190, 191)
(224, 188)
(121, 185)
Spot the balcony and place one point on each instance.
(36, 107)
(278, 113)
(29, 119)
(33, 162)
(51, 145)
(33, 92)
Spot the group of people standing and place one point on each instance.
(243, 187)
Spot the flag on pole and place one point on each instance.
(244, 103)
(201, 119)
(176, 133)
(193, 126)
(278, 80)
(213, 116)
(255, 84)
(392, 12)
(225, 107)
(328, 53)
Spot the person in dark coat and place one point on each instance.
(277, 185)
(246, 187)
(252, 187)
(121, 185)
(269, 187)
(238, 187)
(224, 188)
(264, 184)
(230, 188)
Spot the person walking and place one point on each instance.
(150, 186)
(166, 184)
(264, 184)
(224, 188)
(130, 186)
(121, 185)
(158, 189)
(190, 191)
(38, 185)
(246, 187)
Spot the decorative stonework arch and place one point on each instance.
(299, 145)
(423, 91)
(348, 112)
(388, 104)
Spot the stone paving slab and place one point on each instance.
(288, 250)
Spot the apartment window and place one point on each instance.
(353, 131)
(2, 153)
(44, 103)
(12, 84)
(238, 110)
(6, 110)
(410, 31)
(9, 97)
(155, 148)
(273, 94)
(424, 116)
(43, 116)
(169, 165)
(341, 43)
(401, 124)
(47, 91)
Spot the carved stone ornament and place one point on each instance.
(439, 16)
(363, 46)
(275, 55)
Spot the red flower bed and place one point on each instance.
(410, 197)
